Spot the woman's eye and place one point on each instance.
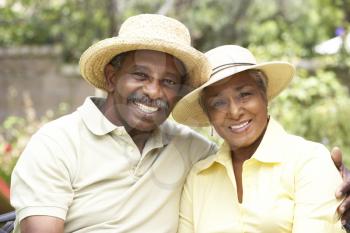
(218, 104)
(244, 94)
(170, 82)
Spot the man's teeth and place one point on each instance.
(234, 127)
(146, 109)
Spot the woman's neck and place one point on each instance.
(240, 155)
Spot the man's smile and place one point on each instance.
(145, 108)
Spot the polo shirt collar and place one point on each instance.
(164, 137)
(269, 150)
(94, 119)
(99, 125)
(223, 157)
(158, 139)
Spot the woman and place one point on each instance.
(262, 179)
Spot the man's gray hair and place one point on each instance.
(118, 60)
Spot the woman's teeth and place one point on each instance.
(240, 126)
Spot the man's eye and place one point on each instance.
(170, 82)
(140, 75)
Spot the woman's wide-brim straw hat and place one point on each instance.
(226, 61)
(146, 32)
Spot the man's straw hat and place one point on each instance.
(150, 32)
(226, 61)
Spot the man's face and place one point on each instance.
(145, 89)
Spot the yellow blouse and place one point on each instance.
(288, 186)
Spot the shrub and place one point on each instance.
(317, 107)
(15, 132)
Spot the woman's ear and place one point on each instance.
(111, 77)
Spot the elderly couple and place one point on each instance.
(118, 165)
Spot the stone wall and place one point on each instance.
(35, 77)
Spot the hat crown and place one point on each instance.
(146, 32)
(229, 55)
(153, 26)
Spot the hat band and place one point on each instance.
(224, 66)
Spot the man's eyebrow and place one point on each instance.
(174, 74)
(146, 69)
(139, 67)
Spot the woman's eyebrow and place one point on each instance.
(242, 86)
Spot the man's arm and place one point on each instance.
(42, 224)
(47, 191)
(344, 189)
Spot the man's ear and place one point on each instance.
(111, 77)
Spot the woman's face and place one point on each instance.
(237, 108)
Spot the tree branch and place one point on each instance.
(166, 7)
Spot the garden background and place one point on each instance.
(41, 42)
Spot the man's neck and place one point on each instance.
(139, 138)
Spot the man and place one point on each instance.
(116, 164)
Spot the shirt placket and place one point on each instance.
(248, 188)
(229, 170)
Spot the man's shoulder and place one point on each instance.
(182, 132)
(65, 124)
(187, 140)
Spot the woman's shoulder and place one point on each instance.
(204, 164)
(298, 147)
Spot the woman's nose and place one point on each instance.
(235, 110)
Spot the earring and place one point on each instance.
(211, 131)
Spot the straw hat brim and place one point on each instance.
(188, 110)
(95, 58)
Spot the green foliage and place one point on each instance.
(74, 25)
(15, 133)
(283, 27)
(315, 106)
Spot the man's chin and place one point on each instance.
(145, 125)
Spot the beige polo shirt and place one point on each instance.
(87, 171)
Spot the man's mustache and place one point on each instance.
(144, 99)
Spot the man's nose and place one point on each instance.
(153, 89)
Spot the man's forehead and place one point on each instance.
(159, 58)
